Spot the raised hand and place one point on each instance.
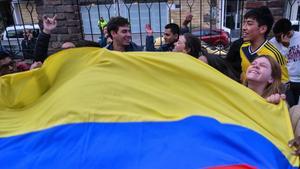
(36, 65)
(188, 19)
(49, 24)
(275, 98)
(148, 29)
(295, 144)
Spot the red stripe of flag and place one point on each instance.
(240, 166)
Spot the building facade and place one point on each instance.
(78, 18)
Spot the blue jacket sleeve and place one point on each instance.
(103, 41)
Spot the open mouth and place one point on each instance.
(245, 34)
(255, 72)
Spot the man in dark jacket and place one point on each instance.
(41, 48)
(118, 29)
(171, 35)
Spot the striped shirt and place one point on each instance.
(266, 48)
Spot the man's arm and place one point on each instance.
(185, 29)
(149, 38)
(41, 47)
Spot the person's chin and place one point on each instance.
(126, 43)
(167, 42)
(246, 38)
(250, 76)
(254, 78)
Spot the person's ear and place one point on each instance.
(113, 33)
(263, 29)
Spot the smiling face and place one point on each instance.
(260, 71)
(170, 37)
(251, 30)
(122, 36)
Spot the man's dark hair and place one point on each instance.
(192, 43)
(4, 54)
(282, 26)
(114, 24)
(174, 28)
(263, 16)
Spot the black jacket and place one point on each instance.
(131, 47)
(41, 47)
(28, 47)
(233, 56)
(164, 47)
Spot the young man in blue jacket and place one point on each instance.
(171, 35)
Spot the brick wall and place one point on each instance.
(276, 6)
(69, 27)
(199, 9)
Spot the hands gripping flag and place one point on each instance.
(93, 108)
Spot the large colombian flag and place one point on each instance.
(92, 108)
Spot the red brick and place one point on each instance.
(275, 4)
(251, 5)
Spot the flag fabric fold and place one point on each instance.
(94, 108)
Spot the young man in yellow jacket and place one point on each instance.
(256, 26)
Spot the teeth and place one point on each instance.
(253, 71)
